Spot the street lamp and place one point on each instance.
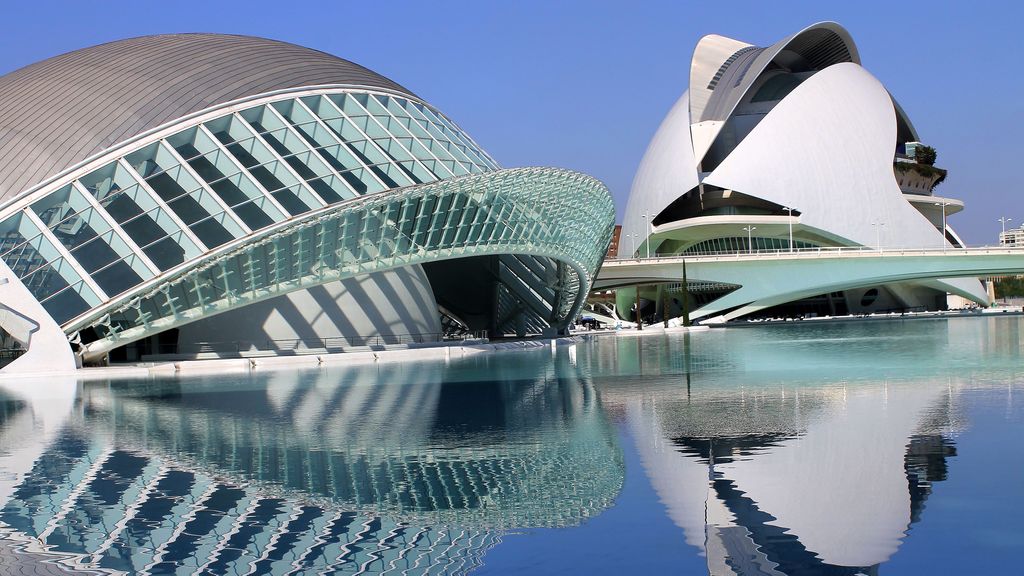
(750, 243)
(1003, 221)
(878, 234)
(943, 204)
(790, 210)
(647, 230)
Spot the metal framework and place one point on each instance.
(543, 212)
(284, 192)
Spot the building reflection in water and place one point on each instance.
(308, 472)
(768, 463)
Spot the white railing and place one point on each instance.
(820, 252)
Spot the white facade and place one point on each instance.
(789, 146)
(1014, 237)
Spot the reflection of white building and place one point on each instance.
(799, 479)
(791, 145)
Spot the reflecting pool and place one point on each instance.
(881, 447)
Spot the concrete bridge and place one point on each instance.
(770, 278)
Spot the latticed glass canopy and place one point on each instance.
(293, 191)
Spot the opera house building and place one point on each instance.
(794, 146)
(163, 192)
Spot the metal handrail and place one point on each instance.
(822, 251)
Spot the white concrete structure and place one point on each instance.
(1014, 237)
(791, 146)
(785, 276)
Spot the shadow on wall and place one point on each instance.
(395, 302)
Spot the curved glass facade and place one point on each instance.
(170, 201)
(543, 267)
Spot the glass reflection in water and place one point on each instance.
(809, 449)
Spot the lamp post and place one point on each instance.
(1003, 221)
(943, 204)
(750, 242)
(790, 210)
(878, 234)
(632, 244)
(647, 231)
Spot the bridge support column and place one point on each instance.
(686, 299)
(639, 320)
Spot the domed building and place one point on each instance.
(788, 147)
(169, 193)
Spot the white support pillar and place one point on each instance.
(21, 315)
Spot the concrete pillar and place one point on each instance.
(25, 319)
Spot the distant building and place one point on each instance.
(1013, 238)
(613, 248)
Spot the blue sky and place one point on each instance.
(584, 85)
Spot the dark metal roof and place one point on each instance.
(58, 112)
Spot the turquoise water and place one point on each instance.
(882, 447)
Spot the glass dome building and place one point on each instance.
(167, 191)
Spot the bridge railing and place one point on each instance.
(822, 251)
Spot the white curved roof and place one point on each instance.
(58, 112)
(815, 47)
(790, 158)
(722, 71)
(819, 46)
(666, 172)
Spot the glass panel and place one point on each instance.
(321, 106)
(151, 159)
(191, 143)
(348, 103)
(235, 189)
(250, 152)
(362, 181)
(25, 249)
(293, 112)
(139, 215)
(369, 126)
(54, 278)
(339, 157)
(308, 165)
(170, 251)
(331, 188)
(273, 176)
(291, 200)
(119, 276)
(194, 207)
(344, 129)
(262, 119)
(229, 129)
(70, 217)
(67, 303)
(213, 230)
(255, 213)
(391, 175)
(214, 166)
(91, 240)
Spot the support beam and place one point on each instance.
(767, 280)
(25, 319)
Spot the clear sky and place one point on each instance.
(584, 85)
